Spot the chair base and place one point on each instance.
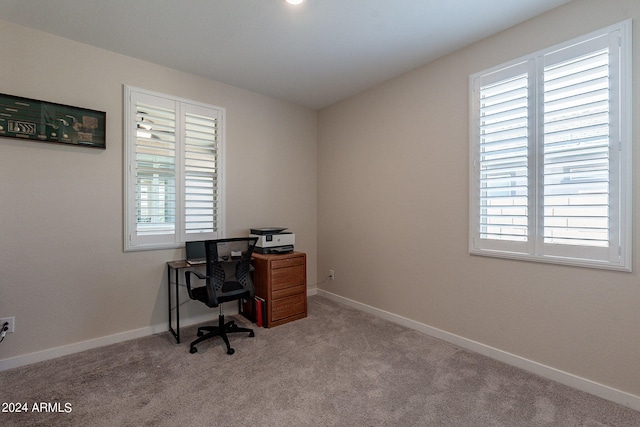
(221, 330)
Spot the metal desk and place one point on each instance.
(176, 266)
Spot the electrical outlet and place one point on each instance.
(11, 325)
(332, 274)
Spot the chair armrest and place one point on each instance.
(187, 278)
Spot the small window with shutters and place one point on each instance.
(550, 152)
(173, 171)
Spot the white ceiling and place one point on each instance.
(314, 54)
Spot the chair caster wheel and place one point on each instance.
(251, 334)
(193, 350)
(230, 351)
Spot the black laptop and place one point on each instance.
(196, 254)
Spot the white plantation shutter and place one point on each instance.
(503, 158)
(551, 155)
(578, 117)
(173, 172)
(201, 173)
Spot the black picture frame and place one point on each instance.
(42, 121)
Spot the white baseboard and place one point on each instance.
(52, 353)
(583, 384)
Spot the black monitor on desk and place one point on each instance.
(196, 253)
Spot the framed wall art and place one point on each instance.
(42, 121)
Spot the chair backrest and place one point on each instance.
(229, 267)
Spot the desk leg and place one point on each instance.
(177, 307)
(174, 332)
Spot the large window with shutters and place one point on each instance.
(550, 152)
(173, 170)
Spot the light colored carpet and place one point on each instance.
(338, 367)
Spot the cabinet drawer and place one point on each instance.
(287, 292)
(287, 277)
(287, 262)
(287, 307)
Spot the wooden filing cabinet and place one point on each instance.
(281, 280)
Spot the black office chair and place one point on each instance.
(228, 278)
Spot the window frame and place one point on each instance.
(183, 107)
(620, 226)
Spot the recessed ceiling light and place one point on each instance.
(294, 1)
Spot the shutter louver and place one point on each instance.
(201, 174)
(503, 160)
(576, 151)
(155, 191)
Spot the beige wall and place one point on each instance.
(63, 272)
(393, 217)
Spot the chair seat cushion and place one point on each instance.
(230, 287)
(200, 294)
(230, 291)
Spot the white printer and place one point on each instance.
(273, 240)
